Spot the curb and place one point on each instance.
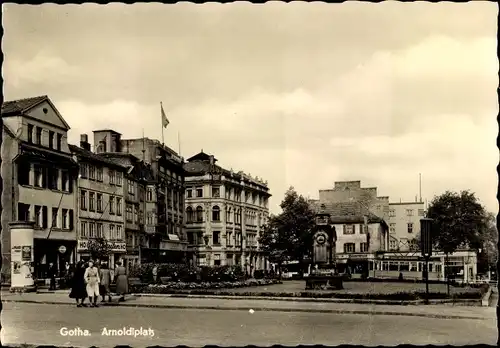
(461, 302)
(267, 309)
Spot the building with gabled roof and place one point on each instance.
(39, 176)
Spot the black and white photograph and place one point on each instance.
(301, 173)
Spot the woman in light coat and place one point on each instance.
(121, 281)
(92, 279)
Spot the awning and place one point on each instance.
(173, 237)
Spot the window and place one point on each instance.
(84, 170)
(189, 193)
(92, 230)
(23, 212)
(129, 213)
(55, 217)
(421, 212)
(111, 174)
(51, 139)
(100, 174)
(91, 172)
(45, 217)
(362, 229)
(38, 175)
(30, 133)
(392, 213)
(119, 178)
(65, 180)
(216, 213)
(199, 192)
(392, 228)
(118, 206)
(199, 214)
(349, 247)
(112, 232)
(111, 205)
(38, 216)
(409, 212)
(83, 200)
(136, 214)
(131, 187)
(189, 215)
(119, 234)
(91, 201)
(83, 229)
(149, 218)
(99, 230)
(59, 141)
(53, 175)
(363, 247)
(38, 138)
(410, 227)
(149, 194)
(216, 191)
(348, 229)
(228, 214)
(99, 202)
(65, 219)
(393, 244)
(216, 238)
(23, 173)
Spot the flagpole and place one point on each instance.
(179, 141)
(162, 127)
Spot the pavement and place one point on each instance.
(61, 297)
(43, 324)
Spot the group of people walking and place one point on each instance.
(93, 280)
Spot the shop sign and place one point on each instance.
(150, 229)
(115, 246)
(62, 249)
(172, 246)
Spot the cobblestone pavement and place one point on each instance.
(41, 324)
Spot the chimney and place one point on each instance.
(212, 160)
(84, 142)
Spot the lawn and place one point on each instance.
(354, 288)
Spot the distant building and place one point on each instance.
(39, 176)
(404, 225)
(101, 201)
(225, 212)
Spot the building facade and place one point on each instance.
(100, 202)
(225, 213)
(165, 232)
(39, 176)
(404, 225)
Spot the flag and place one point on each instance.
(164, 119)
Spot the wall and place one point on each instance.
(399, 219)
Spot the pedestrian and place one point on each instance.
(52, 276)
(155, 273)
(105, 282)
(92, 280)
(78, 290)
(121, 281)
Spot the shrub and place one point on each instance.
(198, 288)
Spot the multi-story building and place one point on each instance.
(164, 228)
(360, 235)
(404, 225)
(101, 201)
(39, 176)
(225, 212)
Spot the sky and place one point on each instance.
(299, 94)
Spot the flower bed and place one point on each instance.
(185, 287)
(224, 289)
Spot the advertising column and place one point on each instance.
(22, 256)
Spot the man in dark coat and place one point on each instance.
(52, 276)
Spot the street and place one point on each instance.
(41, 324)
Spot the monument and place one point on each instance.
(324, 273)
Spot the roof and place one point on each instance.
(21, 105)
(106, 130)
(201, 156)
(345, 212)
(48, 156)
(92, 156)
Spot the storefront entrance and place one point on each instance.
(50, 251)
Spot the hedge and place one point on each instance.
(173, 286)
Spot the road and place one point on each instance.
(41, 324)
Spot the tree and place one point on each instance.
(459, 221)
(489, 254)
(98, 248)
(289, 234)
